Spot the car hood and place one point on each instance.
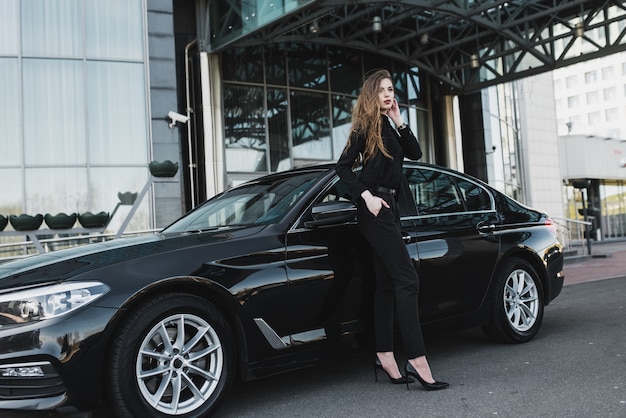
(62, 264)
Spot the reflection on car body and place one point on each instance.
(263, 278)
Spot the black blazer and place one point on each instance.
(379, 170)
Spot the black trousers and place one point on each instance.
(396, 279)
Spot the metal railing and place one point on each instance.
(574, 234)
(25, 248)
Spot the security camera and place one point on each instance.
(177, 117)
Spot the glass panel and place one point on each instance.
(310, 126)
(107, 183)
(276, 64)
(346, 73)
(414, 88)
(10, 139)
(372, 62)
(54, 124)
(614, 210)
(419, 123)
(258, 203)
(9, 20)
(308, 66)
(400, 78)
(226, 21)
(54, 190)
(243, 64)
(476, 198)
(434, 192)
(231, 19)
(115, 29)
(244, 128)
(11, 201)
(52, 28)
(116, 113)
(342, 121)
(277, 126)
(339, 192)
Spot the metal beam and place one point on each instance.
(513, 39)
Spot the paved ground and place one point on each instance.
(608, 260)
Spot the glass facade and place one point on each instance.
(74, 120)
(289, 105)
(502, 137)
(232, 19)
(605, 203)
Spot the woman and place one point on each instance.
(382, 148)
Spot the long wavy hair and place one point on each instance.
(366, 116)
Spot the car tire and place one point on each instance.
(185, 374)
(516, 303)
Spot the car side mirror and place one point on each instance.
(331, 213)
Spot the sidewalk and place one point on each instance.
(608, 259)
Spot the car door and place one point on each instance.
(456, 247)
(330, 276)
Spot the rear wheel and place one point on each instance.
(172, 358)
(516, 303)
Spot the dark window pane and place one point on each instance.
(226, 22)
(414, 88)
(243, 64)
(373, 62)
(400, 76)
(308, 67)
(476, 198)
(277, 108)
(244, 127)
(434, 192)
(342, 121)
(275, 64)
(310, 126)
(346, 74)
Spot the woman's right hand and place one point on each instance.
(373, 203)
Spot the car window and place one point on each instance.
(436, 192)
(476, 198)
(338, 192)
(257, 203)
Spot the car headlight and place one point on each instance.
(46, 302)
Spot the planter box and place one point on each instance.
(93, 220)
(26, 222)
(60, 220)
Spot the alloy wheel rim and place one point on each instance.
(179, 364)
(521, 300)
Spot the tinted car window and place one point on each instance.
(476, 198)
(436, 192)
(339, 192)
(259, 203)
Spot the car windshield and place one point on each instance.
(260, 203)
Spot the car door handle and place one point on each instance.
(485, 227)
(407, 238)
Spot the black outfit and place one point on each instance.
(395, 272)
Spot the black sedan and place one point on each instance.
(266, 277)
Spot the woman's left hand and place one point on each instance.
(394, 113)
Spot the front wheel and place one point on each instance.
(516, 303)
(171, 358)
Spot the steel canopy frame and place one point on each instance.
(465, 44)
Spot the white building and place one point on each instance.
(590, 102)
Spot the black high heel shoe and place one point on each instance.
(396, 381)
(409, 370)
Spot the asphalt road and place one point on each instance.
(575, 367)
